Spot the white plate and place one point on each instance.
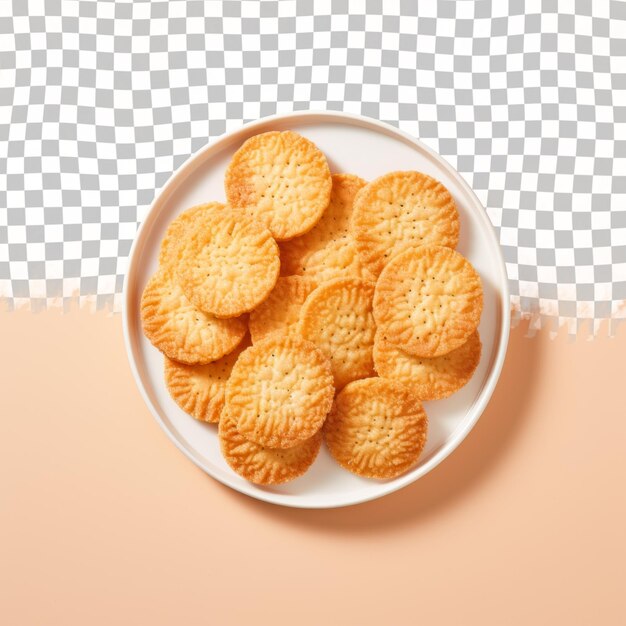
(352, 144)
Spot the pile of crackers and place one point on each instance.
(314, 306)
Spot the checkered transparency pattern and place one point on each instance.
(101, 101)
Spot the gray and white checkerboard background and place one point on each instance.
(101, 101)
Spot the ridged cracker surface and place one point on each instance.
(282, 179)
(261, 465)
(280, 391)
(337, 317)
(200, 389)
(280, 312)
(400, 210)
(332, 227)
(428, 300)
(179, 329)
(377, 428)
(171, 246)
(432, 378)
(337, 259)
(229, 263)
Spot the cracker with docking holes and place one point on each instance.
(171, 249)
(199, 389)
(428, 300)
(337, 317)
(333, 225)
(432, 378)
(400, 210)
(261, 465)
(280, 312)
(376, 428)
(182, 331)
(358, 308)
(229, 263)
(280, 391)
(281, 179)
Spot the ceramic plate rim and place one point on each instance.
(474, 411)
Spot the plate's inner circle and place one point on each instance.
(369, 150)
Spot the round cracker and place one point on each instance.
(199, 390)
(261, 465)
(229, 263)
(337, 317)
(281, 310)
(400, 210)
(171, 249)
(337, 259)
(333, 225)
(431, 378)
(428, 300)
(376, 428)
(282, 179)
(180, 330)
(280, 391)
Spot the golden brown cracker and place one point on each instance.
(337, 259)
(200, 389)
(170, 251)
(280, 391)
(280, 312)
(180, 330)
(261, 465)
(377, 428)
(432, 378)
(337, 317)
(282, 179)
(401, 210)
(333, 225)
(229, 263)
(428, 300)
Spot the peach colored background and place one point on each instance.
(103, 521)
